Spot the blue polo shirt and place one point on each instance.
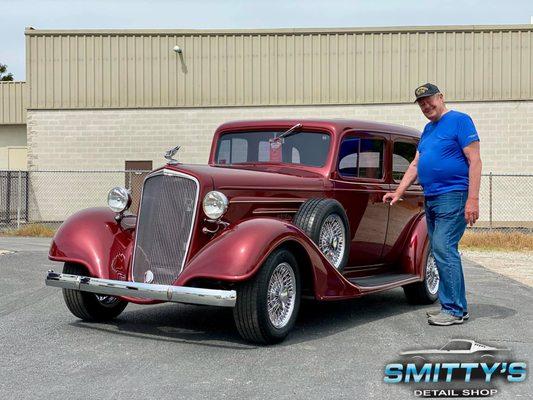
(442, 165)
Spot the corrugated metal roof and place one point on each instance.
(382, 29)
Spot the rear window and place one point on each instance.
(305, 148)
(403, 154)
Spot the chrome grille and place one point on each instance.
(164, 227)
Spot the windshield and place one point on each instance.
(305, 148)
(457, 345)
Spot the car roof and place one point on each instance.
(337, 125)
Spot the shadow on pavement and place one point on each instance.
(214, 326)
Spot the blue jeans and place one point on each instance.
(445, 216)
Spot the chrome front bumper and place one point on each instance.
(175, 294)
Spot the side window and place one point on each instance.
(348, 157)
(361, 158)
(403, 154)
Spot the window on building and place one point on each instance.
(361, 158)
(233, 150)
(403, 154)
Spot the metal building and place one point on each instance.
(115, 71)
(109, 99)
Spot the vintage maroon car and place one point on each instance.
(285, 209)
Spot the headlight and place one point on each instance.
(119, 199)
(215, 204)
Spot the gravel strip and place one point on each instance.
(513, 264)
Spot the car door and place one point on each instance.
(403, 213)
(359, 184)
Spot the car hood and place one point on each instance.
(249, 177)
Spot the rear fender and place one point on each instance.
(413, 258)
(240, 250)
(93, 238)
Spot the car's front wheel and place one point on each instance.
(267, 305)
(90, 306)
(425, 292)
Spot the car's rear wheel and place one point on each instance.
(326, 223)
(267, 305)
(89, 306)
(425, 292)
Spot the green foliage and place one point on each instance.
(3, 75)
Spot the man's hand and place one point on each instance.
(393, 197)
(471, 210)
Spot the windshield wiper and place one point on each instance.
(289, 132)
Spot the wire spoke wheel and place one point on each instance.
(426, 290)
(432, 274)
(325, 222)
(281, 295)
(268, 303)
(332, 239)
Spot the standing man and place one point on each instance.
(448, 166)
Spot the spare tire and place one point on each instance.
(326, 223)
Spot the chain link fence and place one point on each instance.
(49, 197)
(506, 203)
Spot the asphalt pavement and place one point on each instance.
(172, 351)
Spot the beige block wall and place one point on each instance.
(105, 139)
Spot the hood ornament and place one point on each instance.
(169, 155)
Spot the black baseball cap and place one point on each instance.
(426, 90)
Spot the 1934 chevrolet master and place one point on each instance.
(284, 209)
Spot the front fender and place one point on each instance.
(238, 253)
(93, 238)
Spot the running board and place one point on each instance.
(380, 280)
